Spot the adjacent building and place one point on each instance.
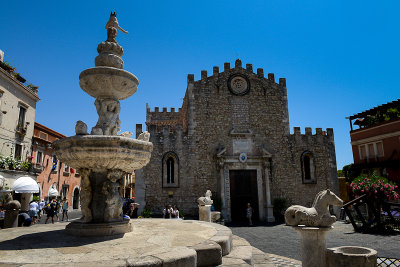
(232, 136)
(376, 141)
(17, 116)
(55, 179)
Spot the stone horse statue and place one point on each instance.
(205, 200)
(318, 215)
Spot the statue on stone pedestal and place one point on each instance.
(318, 215)
(206, 200)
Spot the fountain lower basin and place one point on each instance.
(102, 152)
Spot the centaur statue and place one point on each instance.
(318, 215)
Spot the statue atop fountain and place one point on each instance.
(104, 156)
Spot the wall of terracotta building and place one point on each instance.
(387, 127)
(390, 144)
(49, 175)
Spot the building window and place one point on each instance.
(66, 168)
(54, 164)
(39, 157)
(21, 117)
(170, 170)
(308, 168)
(18, 151)
(371, 150)
(64, 192)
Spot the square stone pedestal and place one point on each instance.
(205, 213)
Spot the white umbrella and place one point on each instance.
(25, 184)
(2, 180)
(53, 192)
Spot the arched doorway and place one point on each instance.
(75, 201)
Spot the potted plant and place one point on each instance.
(19, 77)
(7, 66)
(33, 87)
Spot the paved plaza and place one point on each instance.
(284, 241)
(282, 244)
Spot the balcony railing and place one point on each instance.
(38, 167)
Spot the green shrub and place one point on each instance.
(146, 213)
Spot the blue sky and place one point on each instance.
(339, 57)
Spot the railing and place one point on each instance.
(37, 167)
(366, 215)
(390, 262)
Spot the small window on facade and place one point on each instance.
(21, 117)
(363, 153)
(379, 148)
(39, 157)
(18, 151)
(371, 150)
(170, 170)
(66, 168)
(308, 168)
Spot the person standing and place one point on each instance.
(33, 210)
(249, 214)
(65, 209)
(2, 215)
(176, 212)
(41, 206)
(51, 210)
(58, 206)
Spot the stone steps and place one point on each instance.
(243, 254)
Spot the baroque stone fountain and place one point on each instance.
(104, 157)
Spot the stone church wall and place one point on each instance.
(215, 125)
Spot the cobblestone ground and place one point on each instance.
(284, 241)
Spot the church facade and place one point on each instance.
(232, 136)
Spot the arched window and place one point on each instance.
(308, 168)
(170, 170)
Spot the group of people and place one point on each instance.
(170, 212)
(51, 209)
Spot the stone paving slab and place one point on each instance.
(153, 242)
(282, 240)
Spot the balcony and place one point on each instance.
(21, 129)
(37, 167)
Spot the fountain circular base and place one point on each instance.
(99, 229)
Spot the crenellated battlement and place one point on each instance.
(164, 129)
(238, 65)
(308, 132)
(164, 110)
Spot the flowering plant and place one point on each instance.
(374, 186)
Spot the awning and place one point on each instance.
(2, 181)
(25, 184)
(53, 192)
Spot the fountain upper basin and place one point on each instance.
(108, 82)
(103, 152)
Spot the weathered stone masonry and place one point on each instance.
(231, 113)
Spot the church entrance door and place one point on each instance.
(243, 185)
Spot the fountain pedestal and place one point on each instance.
(313, 245)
